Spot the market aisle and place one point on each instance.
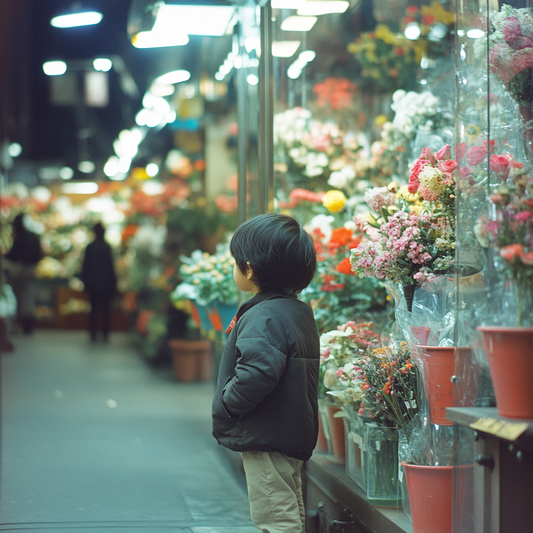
(95, 440)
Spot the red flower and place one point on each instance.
(460, 151)
(447, 166)
(499, 163)
(511, 252)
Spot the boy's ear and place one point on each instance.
(249, 271)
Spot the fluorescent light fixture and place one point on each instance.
(73, 20)
(284, 48)
(82, 187)
(102, 64)
(54, 68)
(475, 33)
(162, 89)
(87, 167)
(171, 78)
(153, 39)
(307, 55)
(287, 4)
(294, 71)
(195, 20)
(323, 7)
(297, 23)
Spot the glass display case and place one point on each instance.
(415, 118)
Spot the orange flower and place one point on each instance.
(345, 267)
(340, 236)
(511, 252)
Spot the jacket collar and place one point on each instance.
(258, 298)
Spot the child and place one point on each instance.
(265, 405)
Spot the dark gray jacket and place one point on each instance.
(266, 396)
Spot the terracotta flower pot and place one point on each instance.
(192, 360)
(510, 356)
(439, 367)
(431, 495)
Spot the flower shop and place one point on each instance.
(401, 136)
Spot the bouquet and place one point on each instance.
(390, 385)
(406, 248)
(511, 52)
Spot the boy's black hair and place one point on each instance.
(279, 251)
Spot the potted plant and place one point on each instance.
(508, 334)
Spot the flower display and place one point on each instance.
(510, 231)
(406, 249)
(433, 177)
(390, 385)
(335, 293)
(335, 93)
(386, 57)
(341, 350)
(511, 52)
(308, 147)
(207, 278)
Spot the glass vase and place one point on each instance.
(382, 486)
(355, 455)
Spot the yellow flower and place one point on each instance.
(380, 120)
(383, 32)
(334, 201)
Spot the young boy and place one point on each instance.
(265, 404)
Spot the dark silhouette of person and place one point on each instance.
(99, 280)
(24, 255)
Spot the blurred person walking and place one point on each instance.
(100, 281)
(22, 258)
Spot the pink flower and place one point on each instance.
(511, 29)
(444, 153)
(476, 155)
(460, 151)
(427, 155)
(417, 167)
(526, 257)
(499, 163)
(465, 172)
(523, 216)
(511, 252)
(447, 166)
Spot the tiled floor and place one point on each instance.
(95, 440)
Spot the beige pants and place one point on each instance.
(275, 492)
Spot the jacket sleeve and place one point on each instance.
(259, 368)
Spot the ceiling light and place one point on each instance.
(194, 20)
(284, 48)
(323, 7)
(154, 39)
(152, 169)
(73, 20)
(171, 78)
(54, 68)
(87, 167)
(102, 64)
(66, 173)
(287, 4)
(89, 187)
(162, 90)
(14, 150)
(297, 23)
(307, 55)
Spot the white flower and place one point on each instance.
(324, 223)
